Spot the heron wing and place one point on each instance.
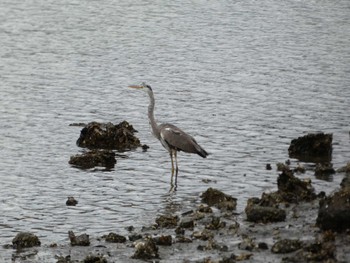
(177, 139)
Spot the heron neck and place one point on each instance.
(152, 120)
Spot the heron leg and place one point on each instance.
(177, 168)
(172, 164)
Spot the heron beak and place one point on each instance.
(135, 86)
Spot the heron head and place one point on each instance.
(142, 86)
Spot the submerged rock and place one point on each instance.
(108, 136)
(25, 239)
(163, 240)
(103, 158)
(214, 197)
(71, 201)
(312, 147)
(324, 170)
(82, 240)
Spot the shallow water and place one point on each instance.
(244, 78)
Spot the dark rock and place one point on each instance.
(344, 169)
(263, 214)
(323, 170)
(179, 231)
(25, 239)
(82, 240)
(247, 244)
(203, 235)
(334, 211)
(291, 189)
(135, 237)
(163, 240)
(214, 197)
(312, 147)
(71, 201)
(146, 250)
(263, 245)
(187, 222)
(115, 238)
(286, 246)
(168, 221)
(95, 259)
(103, 158)
(215, 224)
(268, 166)
(345, 183)
(130, 228)
(108, 136)
(64, 259)
(314, 252)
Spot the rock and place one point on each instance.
(187, 222)
(268, 166)
(167, 221)
(163, 240)
(103, 158)
(25, 239)
(247, 244)
(324, 170)
(344, 169)
(146, 250)
(314, 252)
(71, 201)
(214, 197)
(108, 136)
(82, 240)
(135, 237)
(203, 235)
(215, 224)
(345, 183)
(115, 238)
(312, 147)
(286, 246)
(334, 212)
(94, 259)
(291, 189)
(258, 213)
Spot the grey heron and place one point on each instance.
(171, 137)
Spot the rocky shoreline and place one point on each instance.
(292, 224)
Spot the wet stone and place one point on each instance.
(214, 197)
(25, 239)
(286, 246)
(163, 240)
(91, 159)
(82, 240)
(146, 250)
(115, 238)
(187, 222)
(334, 212)
(135, 237)
(344, 169)
(312, 147)
(215, 223)
(263, 214)
(108, 136)
(94, 259)
(71, 201)
(247, 244)
(324, 169)
(167, 221)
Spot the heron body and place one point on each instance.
(171, 137)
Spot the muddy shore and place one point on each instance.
(291, 224)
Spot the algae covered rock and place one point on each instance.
(311, 147)
(214, 197)
(91, 159)
(25, 239)
(108, 136)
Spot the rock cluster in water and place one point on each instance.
(291, 224)
(101, 139)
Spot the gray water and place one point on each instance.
(243, 77)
